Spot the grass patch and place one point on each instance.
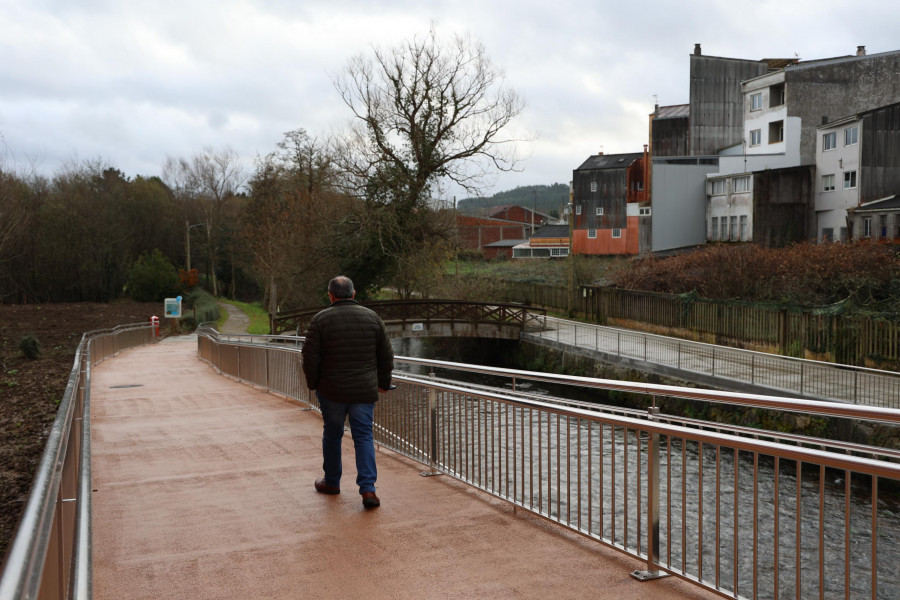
(259, 318)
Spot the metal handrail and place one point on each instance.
(790, 375)
(687, 499)
(50, 555)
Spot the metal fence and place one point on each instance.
(50, 555)
(794, 376)
(742, 512)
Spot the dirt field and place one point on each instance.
(30, 390)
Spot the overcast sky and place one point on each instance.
(132, 82)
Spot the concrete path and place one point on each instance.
(237, 322)
(204, 490)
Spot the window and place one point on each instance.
(867, 227)
(599, 211)
(644, 212)
(756, 137)
(592, 233)
(851, 136)
(827, 234)
(640, 185)
(829, 141)
(593, 186)
(742, 184)
(733, 237)
(849, 180)
(828, 183)
(714, 229)
(718, 186)
(617, 233)
(776, 132)
(845, 235)
(756, 101)
(559, 251)
(882, 225)
(776, 95)
(723, 231)
(578, 210)
(743, 237)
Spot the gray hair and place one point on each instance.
(341, 287)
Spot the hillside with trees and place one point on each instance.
(548, 199)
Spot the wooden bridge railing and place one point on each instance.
(425, 311)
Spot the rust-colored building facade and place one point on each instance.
(477, 232)
(610, 201)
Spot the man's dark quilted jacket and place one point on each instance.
(347, 355)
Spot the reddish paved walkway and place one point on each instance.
(203, 489)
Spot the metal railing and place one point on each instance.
(742, 512)
(807, 378)
(50, 555)
(427, 311)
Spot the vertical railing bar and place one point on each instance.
(822, 532)
(613, 492)
(590, 478)
(874, 537)
(718, 517)
(700, 513)
(847, 477)
(735, 531)
(684, 505)
(638, 488)
(669, 500)
(600, 468)
(755, 525)
(776, 502)
(558, 470)
(798, 534)
(578, 470)
(625, 486)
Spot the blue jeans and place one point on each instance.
(361, 416)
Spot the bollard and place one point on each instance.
(154, 324)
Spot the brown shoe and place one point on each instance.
(324, 488)
(370, 500)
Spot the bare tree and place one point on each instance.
(426, 111)
(207, 184)
(289, 218)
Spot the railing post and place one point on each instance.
(431, 393)
(652, 571)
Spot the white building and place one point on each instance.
(837, 168)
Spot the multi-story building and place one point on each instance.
(767, 179)
(609, 203)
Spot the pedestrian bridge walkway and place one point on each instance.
(203, 488)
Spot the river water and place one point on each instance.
(698, 534)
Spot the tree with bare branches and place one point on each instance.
(207, 185)
(426, 112)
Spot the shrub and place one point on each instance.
(203, 305)
(30, 347)
(152, 278)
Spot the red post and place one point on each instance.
(154, 322)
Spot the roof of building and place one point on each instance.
(505, 243)
(498, 209)
(809, 64)
(610, 161)
(780, 63)
(888, 203)
(676, 111)
(551, 231)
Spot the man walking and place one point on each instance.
(347, 360)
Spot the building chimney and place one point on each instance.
(697, 50)
(860, 50)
